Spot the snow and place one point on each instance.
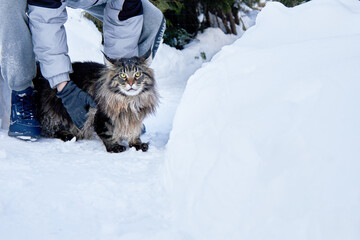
(257, 141)
(51, 189)
(82, 45)
(265, 141)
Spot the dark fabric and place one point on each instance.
(76, 102)
(23, 118)
(45, 3)
(131, 8)
(159, 37)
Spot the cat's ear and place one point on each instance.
(108, 60)
(147, 57)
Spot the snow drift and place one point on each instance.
(51, 189)
(265, 142)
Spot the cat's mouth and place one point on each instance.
(132, 91)
(133, 88)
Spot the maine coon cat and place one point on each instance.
(125, 94)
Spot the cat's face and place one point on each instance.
(130, 76)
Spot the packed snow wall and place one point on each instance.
(265, 141)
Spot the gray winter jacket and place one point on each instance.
(125, 33)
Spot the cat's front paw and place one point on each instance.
(115, 148)
(144, 147)
(64, 136)
(140, 146)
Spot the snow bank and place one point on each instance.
(51, 189)
(172, 70)
(84, 39)
(265, 142)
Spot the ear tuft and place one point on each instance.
(108, 60)
(147, 57)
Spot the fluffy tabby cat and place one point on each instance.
(125, 93)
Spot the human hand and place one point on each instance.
(77, 103)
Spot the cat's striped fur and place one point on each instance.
(125, 93)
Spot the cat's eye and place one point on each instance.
(137, 74)
(123, 75)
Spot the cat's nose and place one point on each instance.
(131, 82)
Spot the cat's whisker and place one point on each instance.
(122, 103)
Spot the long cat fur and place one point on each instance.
(118, 117)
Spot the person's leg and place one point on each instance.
(18, 68)
(17, 58)
(97, 11)
(4, 104)
(152, 30)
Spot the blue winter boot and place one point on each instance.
(23, 119)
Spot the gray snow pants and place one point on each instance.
(17, 61)
(152, 30)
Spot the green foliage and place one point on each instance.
(182, 23)
(163, 5)
(249, 3)
(224, 5)
(292, 3)
(203, 55)
(182, 16)
(177, 37)
(97, 22)
(176, 7)
(176, 34)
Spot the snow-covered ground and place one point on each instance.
(264, 143)
(76, 190)
(266, 140)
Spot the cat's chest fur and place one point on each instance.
(125, 94)
(126, 113)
